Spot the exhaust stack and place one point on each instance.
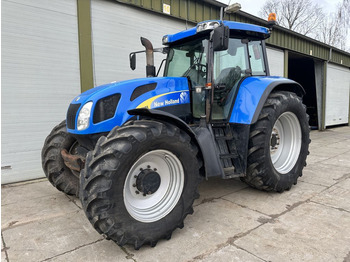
(150, 69)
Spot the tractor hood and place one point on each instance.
(111, 102)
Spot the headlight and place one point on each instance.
(84, 116)
(165, 40)
(207, 26)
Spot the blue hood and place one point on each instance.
(163, 91)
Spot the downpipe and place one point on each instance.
(150, 69)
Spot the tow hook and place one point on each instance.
(74, 162)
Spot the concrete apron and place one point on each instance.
(231, 222)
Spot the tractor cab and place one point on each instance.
(216, 56)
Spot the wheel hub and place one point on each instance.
(148, 181)
(275, 140)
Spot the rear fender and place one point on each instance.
(252, 95)
(202, 136)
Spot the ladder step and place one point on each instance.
(228, 156)
(230, 173)
(226, 138)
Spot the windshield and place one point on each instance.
(188, 60)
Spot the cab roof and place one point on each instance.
(240, 29)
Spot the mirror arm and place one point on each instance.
(161, 64)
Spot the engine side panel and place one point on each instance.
(164, 93)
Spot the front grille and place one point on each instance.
(105, 108)
(71, 114)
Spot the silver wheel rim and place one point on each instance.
(154, 206)
(285, 142)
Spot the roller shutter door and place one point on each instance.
(40, 76)
(116, 30)
(337, 95)
(275, 58)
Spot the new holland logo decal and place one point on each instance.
(168, 99)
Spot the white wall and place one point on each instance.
(40, 76)
(116, 30)
(275, 58)
(337, 95)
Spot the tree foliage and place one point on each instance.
(308, 18)
(335, 28)
(302, 16)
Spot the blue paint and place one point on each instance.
(182, 34)
(178, 98)
(248, 97)
(165, 85)
(232, 25)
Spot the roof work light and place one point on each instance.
(271, 20)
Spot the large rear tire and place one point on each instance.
(59, 175)
(278, 143)
(139, 183)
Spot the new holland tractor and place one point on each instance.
(135, 151)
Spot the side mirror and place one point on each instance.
(132, 58)
(220, 37)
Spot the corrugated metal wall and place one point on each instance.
(196, 11)
(337, 95)
(113, 39)
(40, 76)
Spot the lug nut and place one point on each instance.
(137, 192)
(155, 169)
(148, 166)
(134, 185)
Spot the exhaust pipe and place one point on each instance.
(150, 69)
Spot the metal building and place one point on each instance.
(53, 50)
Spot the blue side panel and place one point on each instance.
(168, 92)
(249, 94)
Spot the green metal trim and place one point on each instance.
(349, 110)
(85, 45)
(324, 87)
(286, 60)
(196, 11)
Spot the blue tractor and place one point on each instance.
(135, 151)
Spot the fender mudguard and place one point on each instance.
(252, 95)
(202, 135)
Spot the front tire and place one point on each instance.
(59, 175)
(140, 182)
(278, 143)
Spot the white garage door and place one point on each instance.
(337, 95)
(116, 30)
(275, 58)
(40, 76)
